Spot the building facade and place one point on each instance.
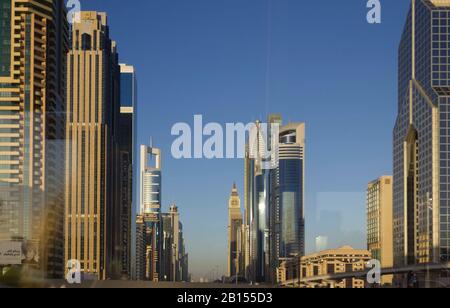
(235, 236)
(289, 192)
(380, 224)
(127, 141)
(274, 185)
(302, 272)
(150, 208)
(33, 48)
(422, 137)
(174, 258)
(92, 181)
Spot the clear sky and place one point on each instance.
(235, 60)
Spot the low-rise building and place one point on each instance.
(317, 270)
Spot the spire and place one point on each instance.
(234, 191)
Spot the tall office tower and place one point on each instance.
(235, 236)
(127, 135)
(92, 209)
(248, 206)
(380, 224)
(150, 208)
(173, 246)
(274, 197)
(140, 249)
(287, 197)
(166, 246)
(259, 232)
(422, 137)
(290, 191)
(176, 240)
(33, 48)
(259, 164)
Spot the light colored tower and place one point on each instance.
(235, 245)
(150, 179)
(380, 224)
(422, 137)
(92, 209)
(150, 208)
(33, 49)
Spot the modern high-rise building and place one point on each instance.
(141, 248)
(33, 49)
(235, 236)
(380, 223)
(150, 208)
(92, 170)
(274, 186)
(289, 191)
(174, 258)
(421, 136)
(127, 162)
(260, 220)
(248, 212)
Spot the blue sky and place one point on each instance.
(234, 61)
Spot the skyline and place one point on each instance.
(199, 50)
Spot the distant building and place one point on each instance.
(380, 223)
(174, 259)
(141, 248)
(150, 210)
(235, 235)
(324, 263)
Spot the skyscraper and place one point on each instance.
(174, 258)
(150, 208)
(259, 226)
(422, 137)
(248, 212)
(289, 191)
(235, 235)
(33, 48)
(379, 222)
(92, 181)
(127, 136)
(274, 196)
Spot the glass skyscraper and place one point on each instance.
(422, 137)
(274, 200)
(33, 49)
(127, 171)
(290, 191)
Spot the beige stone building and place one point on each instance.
(380, 223)
(316, 270)
(92, 210)
(235, 236)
